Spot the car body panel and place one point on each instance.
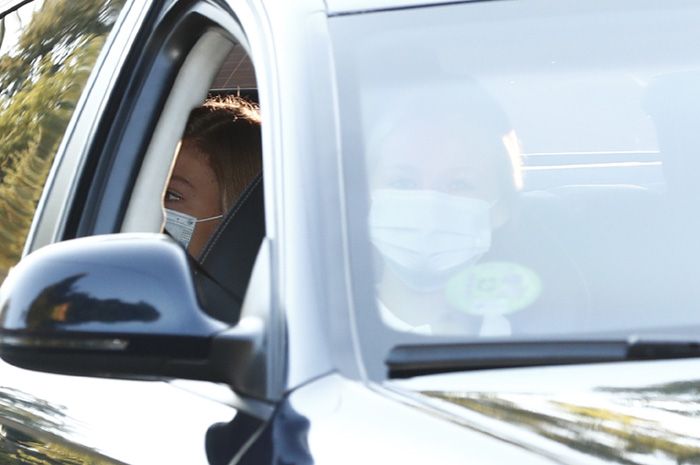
(341, 7)
(132, 422)
(290, 44)
(334, 420)
(630, 412)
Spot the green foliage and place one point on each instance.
(41, 80)
(610, 433)
(19, 444)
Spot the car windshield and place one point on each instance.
(530, 167)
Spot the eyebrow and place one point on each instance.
(182, 179)
(400, 167)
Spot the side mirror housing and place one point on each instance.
(123, 306)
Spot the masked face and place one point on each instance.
(193, 199)
(426, 236)
(181, 225)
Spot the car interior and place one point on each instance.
(216, 66)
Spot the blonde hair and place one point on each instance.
(227, 131)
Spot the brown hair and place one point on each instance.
(227, 131)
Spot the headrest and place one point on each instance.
(227, 261)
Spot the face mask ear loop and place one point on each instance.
(211, 218)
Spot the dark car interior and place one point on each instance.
(223, 269)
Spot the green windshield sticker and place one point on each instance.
(494, 288)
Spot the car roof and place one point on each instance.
(340, 7)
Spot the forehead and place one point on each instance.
(193, 165)
(190, 150)
(438, 146)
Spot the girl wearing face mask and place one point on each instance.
(458, 251)
(437, 198)
(219, 156)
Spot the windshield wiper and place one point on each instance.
(415, 360)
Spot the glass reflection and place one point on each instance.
(622, 425)
(23, 408)
(47, 50)
(458, 246)
(18, 445)
(601, 236)
(61, 304)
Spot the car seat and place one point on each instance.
(227, 261)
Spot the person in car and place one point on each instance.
(219, 156)
(460, 252)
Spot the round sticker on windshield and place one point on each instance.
(494, 288)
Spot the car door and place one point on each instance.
(91, 94)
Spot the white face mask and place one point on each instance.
(425, 236)
(181, 225)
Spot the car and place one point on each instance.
(475, 238)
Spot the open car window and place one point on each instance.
(204, 187)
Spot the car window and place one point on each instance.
(214, 198)
(200, 181)
(47, 51)
(219, 155)
(526, 176)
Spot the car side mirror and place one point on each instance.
(123, 305)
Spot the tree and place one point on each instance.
(41, 80)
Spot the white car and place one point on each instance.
(474, 238)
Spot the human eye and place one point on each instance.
(400, 177)
(402, 182)
(460, 186)
(172, 196)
